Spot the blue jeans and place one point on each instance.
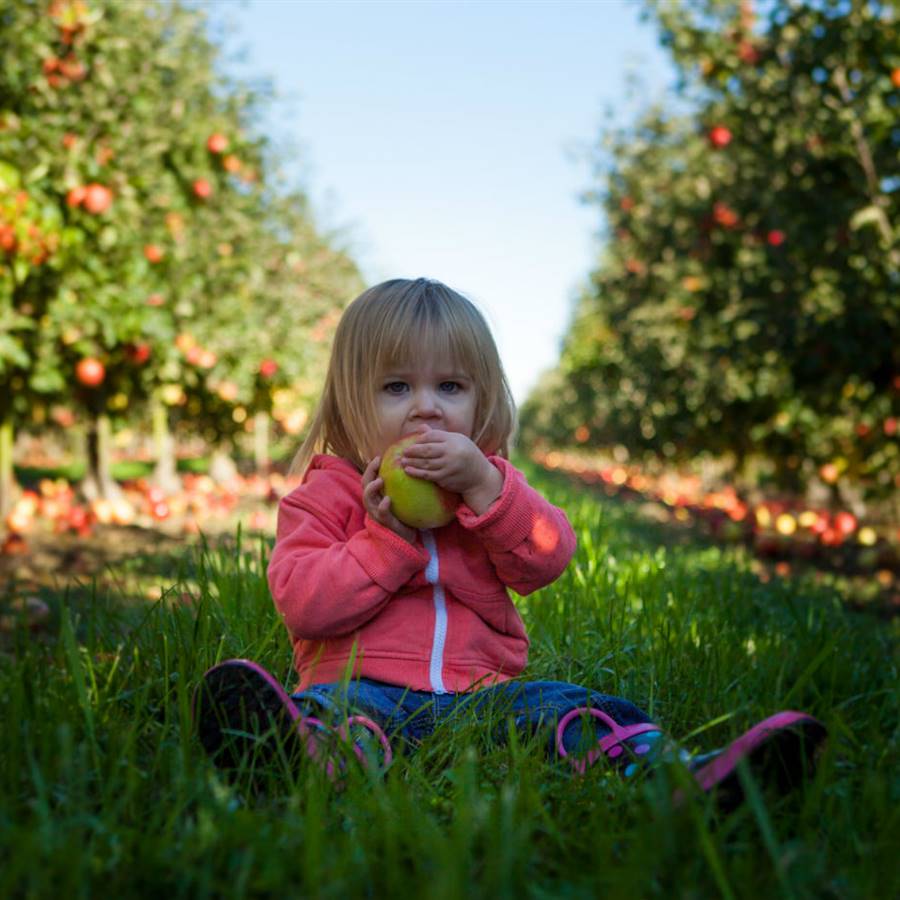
(410, 716)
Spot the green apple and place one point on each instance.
(414, 501)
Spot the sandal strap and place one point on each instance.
(366, 722)
(307, 725)
(617, 736)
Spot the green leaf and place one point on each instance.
(108, 237)
(20, 269)
(868, 215)
(38, 173)
(12, 353)
(9, 176)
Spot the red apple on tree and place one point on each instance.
(217, 143)
(228, 391)
(829, 473)
(202, 189)
(138, 353)
(73, 68)
(719, 136)
(154, 253)
(747, 52)
(90, 371)
(8, 239)
(724, 215)
(97, 198)
(268, 367)
(75, 197)
(184, 341)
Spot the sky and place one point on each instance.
(453, 139)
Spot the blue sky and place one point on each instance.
(450, 139)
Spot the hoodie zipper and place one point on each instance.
(432, 576)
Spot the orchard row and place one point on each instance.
(154, 265)
(745, 302)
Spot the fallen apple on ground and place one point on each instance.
(414, 501)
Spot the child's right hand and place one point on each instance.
(378, 505)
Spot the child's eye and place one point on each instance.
(451, 387)
(395, 387)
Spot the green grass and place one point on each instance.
(104, 791)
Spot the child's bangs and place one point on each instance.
(432, 329)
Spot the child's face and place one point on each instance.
(436, 393)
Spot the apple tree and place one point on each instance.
(139, 229)
(745, 303)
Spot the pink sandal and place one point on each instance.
(781, 750)
(612, 744)
(240, 710)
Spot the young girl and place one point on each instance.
(396, 630)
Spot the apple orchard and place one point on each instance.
(158, 279)
(743, 319)
(163, 288)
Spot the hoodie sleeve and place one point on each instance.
(529, 541)
(325, 583)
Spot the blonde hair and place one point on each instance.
(391, 324)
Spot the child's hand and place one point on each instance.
(378, 506)
(454, 462)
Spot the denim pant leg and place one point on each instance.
(404, 715)
(410, 716)
(537, 706)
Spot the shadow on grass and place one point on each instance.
(130, 567)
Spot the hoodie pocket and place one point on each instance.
(495, 609)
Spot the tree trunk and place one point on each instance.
(7, 485)
(261, 441)
(165, 473)
(98, 483)
(222, 468)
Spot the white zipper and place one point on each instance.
(432, 575)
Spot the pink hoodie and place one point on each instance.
(432, 617)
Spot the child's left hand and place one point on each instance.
(454, 462)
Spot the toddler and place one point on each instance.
(396, 630)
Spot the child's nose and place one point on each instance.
(425, 402)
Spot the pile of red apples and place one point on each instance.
(773, 528)
(55, 507)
